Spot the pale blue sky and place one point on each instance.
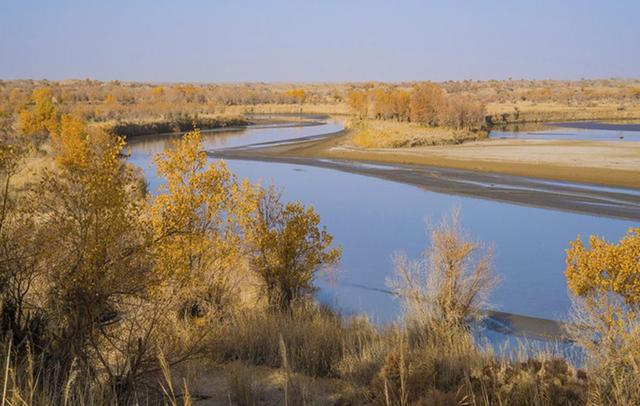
(331, 40)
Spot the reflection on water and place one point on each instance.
(372, 218)
(154, 144)
(585, 130)
(143, 149)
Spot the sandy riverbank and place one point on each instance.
(595, 162)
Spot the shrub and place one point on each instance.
(287, 249)
(452, 281)
(606, 313)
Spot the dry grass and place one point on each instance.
(36, 162)
(244, 387)
(430, 359)
(28, 380)
(434, 364)
(393, 134)
(315, 339)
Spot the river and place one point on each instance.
(372, 217)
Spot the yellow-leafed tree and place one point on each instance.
(287, 249)
(605, 279)
(94, 267)
(71, 142)
(43, 116)
(606, 267)
(358, 104)
(427, 103)
(194, 218)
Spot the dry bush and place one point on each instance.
(609, 333)
(443, 365)
(435, 359)
(424, 362)
(534, 381)
(451, 283)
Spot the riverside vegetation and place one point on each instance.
(422, 116)
(109, 295)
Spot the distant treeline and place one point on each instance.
(134, 129)
(97, 101)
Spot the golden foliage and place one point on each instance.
(295, 95)
(358, 103)
(71, 142)
(195, 221)
(157, 91)
(91, 265)
(110, 99)
(427, 102)
(606, 316)
(606, 267)
(42, 116)
(537, 100)
(287, 249)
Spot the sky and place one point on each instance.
(318, 41)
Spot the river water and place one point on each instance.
(574, 131)
(372, 218)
